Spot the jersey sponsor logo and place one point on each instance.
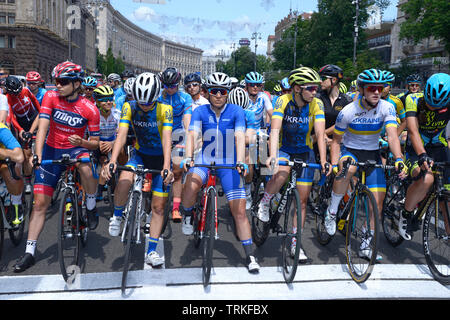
(68, 118)
(145, 124)
(292, 119)
(366, 120)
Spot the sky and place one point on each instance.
(214, 25)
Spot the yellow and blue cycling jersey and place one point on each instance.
(297, 123)
(148, 126)
(398, 104)
(7, 140)
(361, 127)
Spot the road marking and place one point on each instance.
(311, 282)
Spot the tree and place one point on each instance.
(109, 64)
(426, 18)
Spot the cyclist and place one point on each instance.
(353, 90)
(10, 148)
(192, 85)
(128, 88)
(151, 121)
(427, 117)
(181, 103)
(23, 114)
(358, 127)
(109, 124)
(4, 108)
(89, 84)
(126, 75)
(34, 83)
(285, 88)
(262, 108)
(398, 104)
(333, 100)
(413, 83)
(65, 115)
(296, 115)
(114, 80)
(221, 127)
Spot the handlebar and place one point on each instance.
(65, 160)
(365, 165)
(140, 170)
(11, 168)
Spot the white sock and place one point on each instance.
(335, 200)
(91, 201)
(31, 247)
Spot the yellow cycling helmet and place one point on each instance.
(342, 87)
(277, 88)
(103, 92)
(304, 75)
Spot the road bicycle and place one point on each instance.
(287, 209)
(72, 215)
(358, 219)
(134, 214)
(11, 219)
(205, 223)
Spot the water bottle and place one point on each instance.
(275, 201)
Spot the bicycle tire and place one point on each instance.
(17, 231)
(289, 261)
(111, 185)
(209, 237)
(196, 217)
(360, 266)
(436, 241)
(260, 229)
(391, 215)
(130, 225)
(57, 191)
(69, 240)
(167, 210)
(320, 205)
(2, 227)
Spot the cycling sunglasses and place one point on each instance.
(106, 99)
(214, 91)
(374, 88)
(172, 86)
(192, 85)
(63, 82)
(310, 88)
(259, 85)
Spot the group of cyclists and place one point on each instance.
(218, 119)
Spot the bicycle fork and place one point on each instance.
(204, 213)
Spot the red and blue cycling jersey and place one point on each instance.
(24, 108)
(68, 118)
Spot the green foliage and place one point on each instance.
(426, 18)
(109, 64)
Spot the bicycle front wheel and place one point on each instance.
(291, 238)
(361, 239)
(436, 243)
(2, 227)
(209, 236)
(69, 240)
(392, 209)
(130, 225)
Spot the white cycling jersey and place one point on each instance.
(361, 127)
(109, 126)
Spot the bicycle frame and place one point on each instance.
(211, 184)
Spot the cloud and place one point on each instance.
(143, 13)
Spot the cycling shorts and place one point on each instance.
(151, 162)
(229, 178)
(438, 154)
(306, 177)
(375, 178)
(47, 175)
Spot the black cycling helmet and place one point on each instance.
(414, 78)
(331, 70)
(13, 85)
(127, 74)
(192, 77)
(170, 76)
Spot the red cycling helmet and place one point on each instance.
(33, 76)
(68, 70)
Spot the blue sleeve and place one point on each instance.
(7, 139)
(188, 104)
(196, 120)
(250, 121)
(239, 124)
(119, 102)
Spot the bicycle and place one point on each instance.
(10, 219)
(288, 205)
(359, 217)
(205, 223)
(133, 214)
(72, 223)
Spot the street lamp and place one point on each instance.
(355, 35)
(233, 47)
(256, 36)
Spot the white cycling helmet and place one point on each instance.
(239, 96)
(128, 86)
(218, 80)
(146, 88)
(114, 77)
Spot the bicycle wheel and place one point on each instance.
(260, 230)
(16, 231)
(2, 227)
(69, 240)
(392, 209)
(209, 236)
(361, 243)
(289, 252)
(130, 225)
(320, 203)
(436, 243)
(167, 211)
(57, 190)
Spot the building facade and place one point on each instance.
(34, 36)
(139, 49)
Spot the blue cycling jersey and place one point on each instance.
(218, 133)
(40, 95)
(181, 103)
(261, 104)
(7, 140)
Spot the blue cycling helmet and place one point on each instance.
(388, 76)
(370, 76)
(437, 90)
(254, 77)
(285, 84)
(90, 82)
